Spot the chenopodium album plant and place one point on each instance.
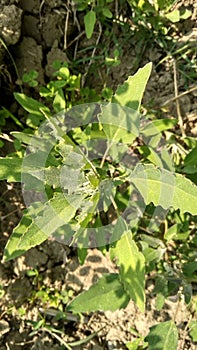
(86, 185)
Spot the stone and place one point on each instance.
(31, 6)
(51, 29)
(10, 24)
(53, 3)
(30, 28)
(54, 55)
(29, 56)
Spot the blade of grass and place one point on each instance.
(13, 62)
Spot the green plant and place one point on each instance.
(156, 15)
(11, 59)
(87, 196)
(4, 115)
(51, 298)
(30, 78)
(2, 291)
(99, 9)
(138, 343)
(158, 22)
(42, 326)
(65, 90)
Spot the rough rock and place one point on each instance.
(32, 6)
(8, 2)
(28, 56)
(35, 258)
(4, 327)
(10, 24)
(51, 28)
(30, 27)
(53, 3)
(53, 55)
(19, 291)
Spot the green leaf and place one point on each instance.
(33, 121)
(171, 232)
(33, 83)
(160, 301)
(10, 169)
(63, 73)
(4, 113)
(177, 15)
(32, 74)
(191, 158)
(174, 233)
(106, 12)
(23, 238)
(82, 253)
(191, 142)
(89, 21)
(25, 138)
(193, 330)
(55, 213)
(165, 188)
(30, 105)
(185, 14)
(131, 92)
(56, 85)
(150, 154)
(190, 269)
(107, 294)
(34, 235)
(11, 250)
(132, 268)
(163, 336)
(120, 124)
(190, 170)
(160, 158)
(173, 16)
(157, 126)
(38, 224)
(135, 344)
(59, 102)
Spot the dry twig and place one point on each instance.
(179, 96)
(180, 119)
(185, 332)
(66, 28)
(93, 53)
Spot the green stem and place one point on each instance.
(13, 62)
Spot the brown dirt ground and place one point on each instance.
(36, 39)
